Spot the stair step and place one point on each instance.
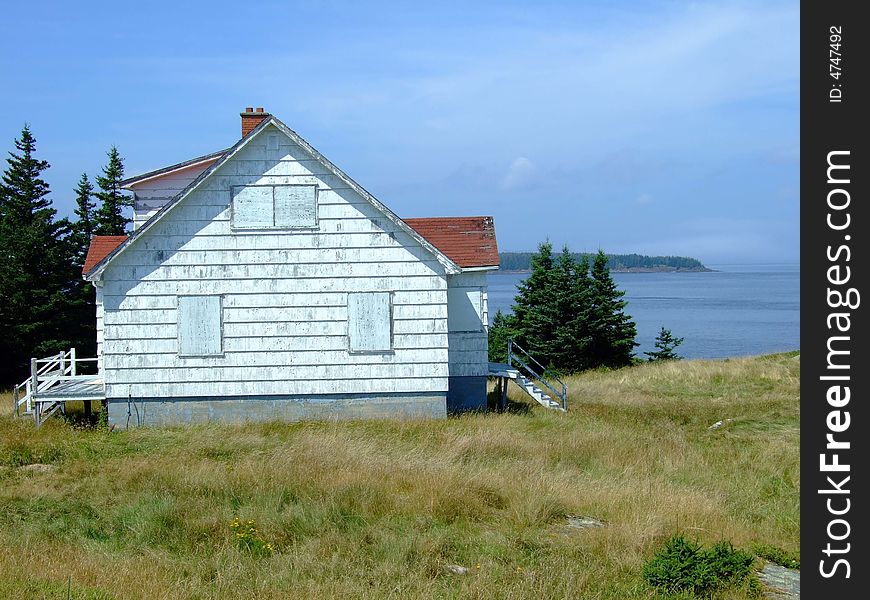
(537, 393)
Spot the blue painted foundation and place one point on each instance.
(466, 393)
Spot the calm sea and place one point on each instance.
(737, 310)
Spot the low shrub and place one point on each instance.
(684, 566)
(792, 560)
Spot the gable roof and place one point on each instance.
(450, 266)
(101, 247)
(468, 241)
(207, 158)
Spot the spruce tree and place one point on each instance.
(85, 223)
(83, 296)
(109, 218)
(573, 293)
(612, 332)
(666, 343)
(501, 330)
(536, 318)
(35, 274)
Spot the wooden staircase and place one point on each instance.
(537, 393)
(534, 379)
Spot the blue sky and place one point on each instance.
(649, 127)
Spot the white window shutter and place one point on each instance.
(199, 326)
(295, 206)
(253, 207)
(369, 318)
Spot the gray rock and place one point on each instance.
(37, 468)
(780, 583)
(456, 569)
(584, 522)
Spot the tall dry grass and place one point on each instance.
(378, 509)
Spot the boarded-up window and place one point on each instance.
(199, 326)
(464, 309)
(253, 207)
(369, 320)
(295, 206)
(274, 206)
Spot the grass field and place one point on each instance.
(380, 509)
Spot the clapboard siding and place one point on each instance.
(260, 300)
(278, 240)
(280, 271)
(216, 389)
(169, 345)
(284, 294)
(274, 314)
(334, 209)
(265, 257)
(270, 329)
(122, 287)
(469, 350)
(286, 358)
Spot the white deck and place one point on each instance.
(78, 387)
(53, 382)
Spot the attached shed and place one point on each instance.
(261, 282)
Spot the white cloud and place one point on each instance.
(644, 199)
(520, 174)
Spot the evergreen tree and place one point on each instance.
(83, 296)
(83, 227)
(35, 274)
(666, 343)
(573, 294)
(109, 218)
(536, 318)
(612, 333)
(500, 332)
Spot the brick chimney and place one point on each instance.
(251, 118)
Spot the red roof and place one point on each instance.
(101, 247)
(467, 241)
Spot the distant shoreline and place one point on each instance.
(631, 270)
(521, 262)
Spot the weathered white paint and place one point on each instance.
(295, 206)
(360, 383)
(322, 343)
(200, 330)
(369, 322)
(100, 319)
(285, 293)
(253, 207)
(467, 310)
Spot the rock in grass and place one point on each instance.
(781, 583)
(36, 468)
(584, 522)
(456, 569)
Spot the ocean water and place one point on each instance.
(737, 310)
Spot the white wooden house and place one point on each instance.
(261, 282)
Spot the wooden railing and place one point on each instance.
(526, 364)
(46, 373)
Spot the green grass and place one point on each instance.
(379, 509)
